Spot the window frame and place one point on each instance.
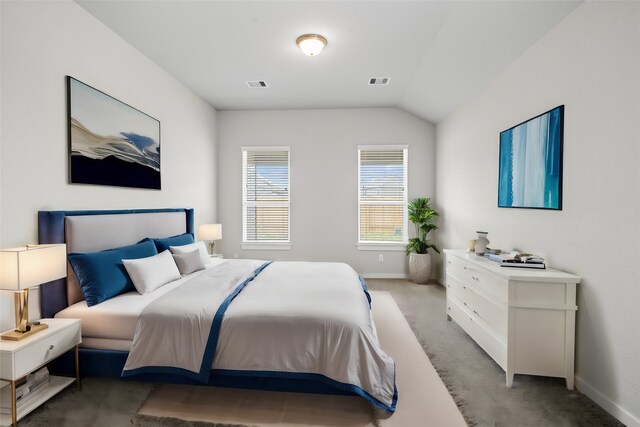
(265, 244)
(372, 245)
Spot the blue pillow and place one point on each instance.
(102, 274)
(180, 240)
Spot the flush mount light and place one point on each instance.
(311, 44)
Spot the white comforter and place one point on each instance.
(292, 318)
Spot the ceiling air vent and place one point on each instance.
(379, 81)
(257, 84)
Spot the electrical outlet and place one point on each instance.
(380, 258)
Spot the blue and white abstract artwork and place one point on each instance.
(530, 173)
(110, 142)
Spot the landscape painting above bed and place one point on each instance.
(110, 142)
(530, 172)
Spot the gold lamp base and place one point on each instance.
(23, 327)
(17, 335)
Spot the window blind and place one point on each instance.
(266, 201)
(382, 195)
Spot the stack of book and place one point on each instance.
(488, 252)
(515, 259)
(26, 388)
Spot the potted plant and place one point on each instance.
(422, 216)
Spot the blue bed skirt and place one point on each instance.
(109, 363)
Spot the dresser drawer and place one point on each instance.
(495, 314)
(457, 313)
(489, 284)
(477, 330)
(455, 287)
(491, 311)
(45, 350)
(490, 343)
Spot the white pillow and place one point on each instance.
(189, 262)
(204, 255)
(148, 274)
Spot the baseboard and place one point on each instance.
(624, 416)
(385, 276)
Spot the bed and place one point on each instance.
(288, 326)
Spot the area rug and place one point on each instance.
(423, 400)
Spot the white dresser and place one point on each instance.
(523, 318)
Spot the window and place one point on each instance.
(265, 198)
(382, 196)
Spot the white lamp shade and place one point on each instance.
(210, 231)
(26, 267)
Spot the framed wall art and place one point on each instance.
(110, 142)
(530, 166)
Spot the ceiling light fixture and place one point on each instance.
(311, 44)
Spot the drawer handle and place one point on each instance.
(474, 278)
(465, 304)
(464, 287)
(448, 262)
(449, 308)
(476, 312)
(51, 347)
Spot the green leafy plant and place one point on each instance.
(422, 216)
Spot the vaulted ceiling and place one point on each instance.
(437, 54)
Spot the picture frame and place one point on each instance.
(110, 142)
(530, 163)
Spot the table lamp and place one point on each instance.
(23, 268)
(210, 232)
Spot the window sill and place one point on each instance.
(274, 246)
(362, 246)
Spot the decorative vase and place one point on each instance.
(419, 267)
(482, 242)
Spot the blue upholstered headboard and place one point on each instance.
(51, 229)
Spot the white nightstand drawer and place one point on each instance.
(19, 358)
(44, 350)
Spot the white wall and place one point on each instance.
(591, 63)
(41, 42)
(324, 178)
(1, 98)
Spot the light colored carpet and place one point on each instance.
(423, 398)
(474, 380)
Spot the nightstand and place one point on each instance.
(19, 358)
